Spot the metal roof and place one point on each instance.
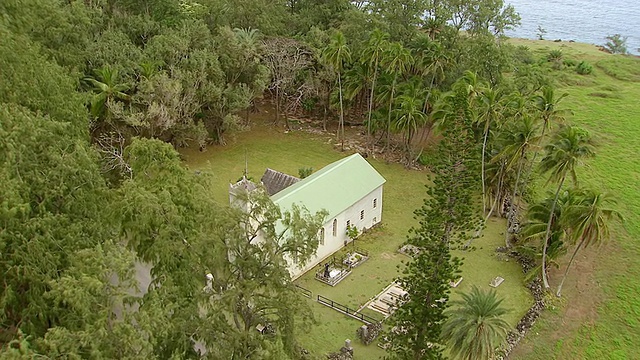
(334, 188)
(275, 181)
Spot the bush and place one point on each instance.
(523, 54)
(554, 56)
(304, 172)
(569, 62)
(617, 44)
(584, 68)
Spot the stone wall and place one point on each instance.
(527, 321)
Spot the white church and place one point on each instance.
(350, 190)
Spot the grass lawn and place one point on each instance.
(266, 146)
(599, 315)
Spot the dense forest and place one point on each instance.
(97, 95)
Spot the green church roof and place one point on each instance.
(334, 188)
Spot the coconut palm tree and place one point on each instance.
(568, 147)
(431, 61)
(547, 106)
(587, 218)
(408, 118)
(335, 55)
(356, 80)
(491, 108)
(517, 139)
(535, 228)
(476, 328)
(372, 55)
(397, 60)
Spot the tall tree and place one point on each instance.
(490, 111)
(220, 271)
(336, 55)
(565, 152)
(446, 218)
(476, 327)
(408, 118)
(286, 59)
(254, 285)
(372, 55)
(397, 60)
(534, 229)
(547, 106)
(587, 218)
(517, 139)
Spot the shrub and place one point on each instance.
(523, 54)
(554, 56)
(570, 62)
(304, 172)
(617, 44)
(584, 68)
(308, 104)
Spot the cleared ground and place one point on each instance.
(269, 146)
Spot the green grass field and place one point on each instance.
(599, 315)
(266, 146)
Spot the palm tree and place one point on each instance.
(439, 62)
(409, 117)
(587, 218)
(547, 106)
(490, 111)
(568, 147)
(355, 83)
(371, 55)
(517, 139)
(336, 55)
(430, 62)
(476, 327)
(471, 84)
(397, 60)
(535, 228)
(106, 88)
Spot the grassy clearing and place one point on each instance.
(266, 146)
(599, 316)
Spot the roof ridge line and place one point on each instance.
(317, 177)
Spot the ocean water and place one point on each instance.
(588, 21)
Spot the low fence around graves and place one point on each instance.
(305, 292)
(346, 310)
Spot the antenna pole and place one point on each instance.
(246, 163)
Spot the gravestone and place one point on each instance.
(496, 282)
(364, 331)
(347, 344)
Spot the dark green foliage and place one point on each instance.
(29, 80)
(523, 55)
(616, 44)
(446, 219)
(476, 328)
(555, 55)
(304, 172)
(584, 68)
(181, 72)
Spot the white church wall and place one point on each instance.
(333, 243)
